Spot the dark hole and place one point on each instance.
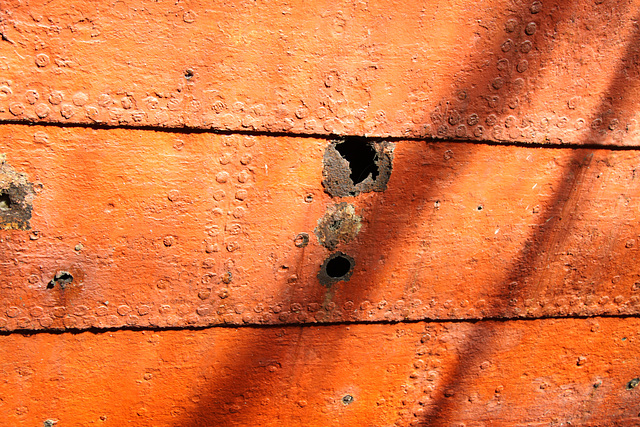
(347, 399)
(5, 202)
(335, 225)
(361, 157)
(633, 383)
(338, 267)
(188, 74)
(62, 278)
(480, 207)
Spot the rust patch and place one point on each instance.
(16, 198)
(356, 165)
(339, 224)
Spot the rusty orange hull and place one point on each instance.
(327, 214)
(493, 70)
(164, 229)
(538, 372)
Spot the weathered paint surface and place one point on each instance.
(186, 240)
(166, 229)
(534, 71)
(536, 372)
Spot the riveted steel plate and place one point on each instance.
(533, 373)
(145, 228)
(529, 71)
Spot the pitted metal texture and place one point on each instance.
(137, 228)
(551, 72)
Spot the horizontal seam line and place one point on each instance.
(194, 130)
(96, 330)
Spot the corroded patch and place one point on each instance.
(16, 198)
(339, 224)
(356, 165)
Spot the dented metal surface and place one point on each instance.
(155, 229)
(538, 372)
(495, 70)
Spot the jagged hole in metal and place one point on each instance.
(361, 156)
(5, 202)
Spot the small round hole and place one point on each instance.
(188, 74)
(338, 267)
(480, 207)
(347, 399)
(5, 202)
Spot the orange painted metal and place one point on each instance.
(519, 373)
(165, 229)
(197, 226)
(529, 71)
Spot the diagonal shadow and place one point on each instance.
(273, 352)
(480, 340)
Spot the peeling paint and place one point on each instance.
(339, 224)
(16, 198)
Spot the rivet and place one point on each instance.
(42, 60)
(530, 29)
(301, 240)
(536, 6)
(525, 46)
(16, 108)
(511, 25)
(222, 177)
(42, 110)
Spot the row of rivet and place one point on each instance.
(500, 127)
(82, 316)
